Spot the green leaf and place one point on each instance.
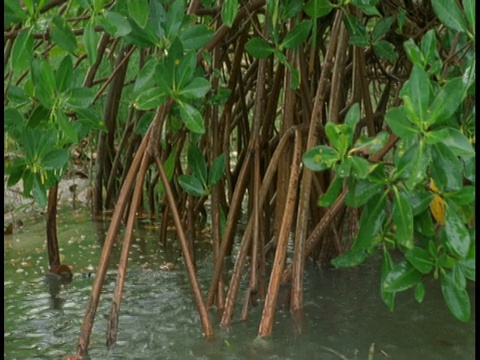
(185, 71)
(385, 50)
(428, 46)
(64, 74)
(360, 167)
(351, 258)
(195, 37)
(351, 120)
(419, 199)
(416, 91)
(420, 259)
(356, 30)
(217, 170)
(382, 27)
(42, 76)
(175, 16)
(317, 8)
(333, 190)
(464, 196)
(258, 48)
(66, 127)
(55, 159)
(423, 224)
(371, 222)
(191, 185)
(403, 220)
(469, 7)
(458, 143)
(145, 77)
(446, 168)
(297, 35)
(458, 237)
(116, 24)
(81, 98)
(139, 11)
(364, 4)
(13, 120)
(413, 164)
(22, 51)
(447, 100)
(402, 277)
(197, 164)
(456, 299)
(39, 192)
(450, 15)
(196, 89)
(388, 297)
(367, 145)
(413, 52)
(320, 158)
(144, 123)
(192, 118)
(337, 137)
(399, 123)
(360, 191)
(468, 268)
(229, 12)
(90, 39)
(419, 292)
(150, 99)
(62, 34)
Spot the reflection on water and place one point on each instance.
(344, 316)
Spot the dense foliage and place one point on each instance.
(376, 98)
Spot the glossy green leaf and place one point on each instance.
(399, 123)
(468, 268)
(428, 45)
(175, 17)
(416, 91)
(317, 8)
(360, 167)
(362, 4)
(403, 221)
(145, 77)
(81, 98)
(192, 118)
(469, 7)
(464, 196)
(457, 234)
(42, 76)
(402, 277)
(458, 143)
(229, 12)
(337, 137)
(368, 145)
(360, 191)
(351, 120)
(90, 40)
(351, 258)
(22, 51)
(450, 15)
(332, 192)
(423, 224)
(457, 300)
(217, 170)
(385, 50)
(297, 35)
(197, 164)
(38, 116)
(420, 259)
(116, 24)
(258, 48)
(382, 27)
(371, 222)
(356, 30)
(196, 89)
(150, 99)
(66, 127)
(62, 34)
(39, 191)
(447, 100)
(64, 74)
(139, 11)
(184, 71)
(191, 185)
(320, 158)
(446, 168)
(195, 37)
(419, 199)
(419, 292)
(413, 52)
(55, 159)
(388, 297)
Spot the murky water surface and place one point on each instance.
(344, 316)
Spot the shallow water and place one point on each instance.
(344, 316)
